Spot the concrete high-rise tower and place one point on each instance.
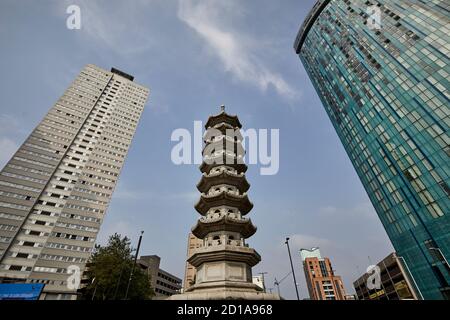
(381, 69)
(55, 190)
(224, 261)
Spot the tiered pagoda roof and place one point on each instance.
(223, 127)
(223, 159)
(224, 198)
(223, 117)
(224, 223)
(225, 253)
(223, 144)
(224, 177)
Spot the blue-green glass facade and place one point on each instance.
(386, 91)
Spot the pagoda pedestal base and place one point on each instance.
(225, 294)
(225, 290)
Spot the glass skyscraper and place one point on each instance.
(381, 69)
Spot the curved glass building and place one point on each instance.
(381, 69)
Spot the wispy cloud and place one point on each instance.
(103, 22)
(10, 130)
(309, 241)
(238, 56)
(159, 108)
(9, 124)
(362, 210)
(124, 228)
(7, 147)
(124, 193)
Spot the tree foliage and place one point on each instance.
(109, 269)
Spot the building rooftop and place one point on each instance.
(307, 24)
(387, 262)
(146, 262)
(310, 253)
(122, 74)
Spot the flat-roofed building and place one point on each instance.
(162, 282)
(394, 284)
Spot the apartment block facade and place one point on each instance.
(322, 283)
(55, 190)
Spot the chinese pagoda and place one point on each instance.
(224, 262)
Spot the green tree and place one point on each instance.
(108, 272)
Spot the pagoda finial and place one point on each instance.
(222, 108)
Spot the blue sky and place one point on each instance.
(195, 56)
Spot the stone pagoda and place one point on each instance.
(224, 261)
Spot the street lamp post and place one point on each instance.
(292, 267)
(134, 265)
(263, 280)
(95, 289)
